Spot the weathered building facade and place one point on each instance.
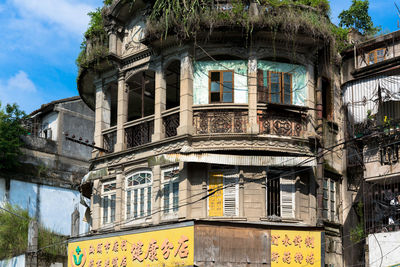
(46, 183)
(224, 133)
(371, 87)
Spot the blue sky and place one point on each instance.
(40, 39)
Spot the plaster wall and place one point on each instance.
(200, 82)
(77, 119)
(299, 75)
(51, 121)
(54, 205)
(18, 261)
(384, 249)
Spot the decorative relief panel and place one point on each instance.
(220, 121)
(133, 38)
(271, 122)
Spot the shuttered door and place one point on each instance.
(231, 206)
(287, 197)
(215, 200)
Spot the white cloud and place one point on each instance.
(21, 90)
(21, 82)
(70, 15)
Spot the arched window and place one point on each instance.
(138, 194)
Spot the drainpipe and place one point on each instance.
(320, 158)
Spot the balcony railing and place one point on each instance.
(171, 122)
(110, 139)
(220, 121)
(139, 132)
(280, 123)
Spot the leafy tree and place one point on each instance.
(10, 131)
(357, 17)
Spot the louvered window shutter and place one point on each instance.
(231, 203)
(287, 197)
(261, 93)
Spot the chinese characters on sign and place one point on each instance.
(173, 247)
(295, 248)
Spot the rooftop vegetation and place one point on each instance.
(185, 19)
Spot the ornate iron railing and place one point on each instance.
(109, 140)
(171, 124)
(286, 124)
(139, 134)
(214, 121)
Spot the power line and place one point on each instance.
(19, 216)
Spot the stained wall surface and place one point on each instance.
(200, 82)
(53, 205)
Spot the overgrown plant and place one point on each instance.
(14, 224)
(357, 233)
(95, 42)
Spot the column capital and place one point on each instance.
(121, 76)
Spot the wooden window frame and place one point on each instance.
(281, 88)
(375, 53)
(221, 86)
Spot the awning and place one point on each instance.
(236, 160)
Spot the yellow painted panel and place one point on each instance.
(171, 247)
(216, 200)
(295, 248)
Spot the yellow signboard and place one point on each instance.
(216, 198)
(171, 247)
(295, 248)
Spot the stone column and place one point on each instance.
(252, 84)
(184, 190)
(264, 196)
(241, 194)
(122, 112)
(186, 96)
(160, 104)
(204, 186)
(102, 113)
(75, 222)
(33, 237)
(119, 200)
(112, 42)
(156, 193)
(96, 205)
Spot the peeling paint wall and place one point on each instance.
(299, 76)
(18, 261)
(200, 83)
(47, 200)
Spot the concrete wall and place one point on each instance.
(200, 82)
(77, 119)
(18, 261)
(384, 249)
(53, 205)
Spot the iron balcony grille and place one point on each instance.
(139, 134)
